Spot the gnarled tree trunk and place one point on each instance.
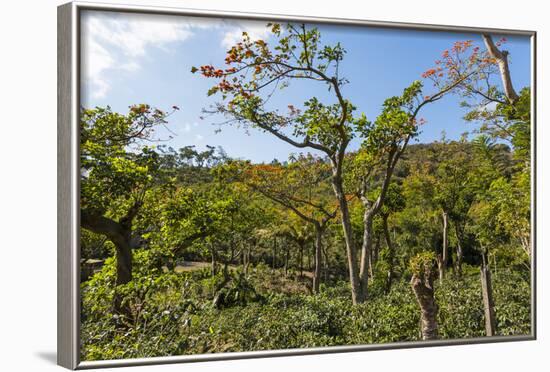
(120, 234)
(422, 285)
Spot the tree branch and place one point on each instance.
(305, 143)
(285, 204)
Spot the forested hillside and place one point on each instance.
(188, 250)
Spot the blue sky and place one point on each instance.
(132, 58)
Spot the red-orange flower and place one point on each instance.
(429, 73)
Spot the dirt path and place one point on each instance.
(191, 265)
(196, 265)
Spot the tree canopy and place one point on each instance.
(337, 244)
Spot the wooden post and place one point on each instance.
(444, 253)
(488, 304)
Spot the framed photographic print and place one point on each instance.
(237, 185)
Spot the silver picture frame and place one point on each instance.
(68, 189)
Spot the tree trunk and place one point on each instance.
(525, 241)
(246, 259)
(422, 286)
(274, 261)
(371, 262)
(308, 256)
(302, 259)
(214, 264)
(487, 293)
(243, 255)
(373, 256)
(123, 262)
(287, 253)
(391, 253)
(376, 250)
(365, 255)
(120, 234)
(440, 267)
(318, 258)
(356, 294)
(226, 268)
(502, 60)
(459, 250)
(325, 262)
(444, 253)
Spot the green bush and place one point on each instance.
(176, 314)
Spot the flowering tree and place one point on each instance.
(253, 73)
(501, 111)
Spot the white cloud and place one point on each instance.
(130, 66)
(256, 31)
(119, 42)
(199, 137)
(187, 128)
(99, 60)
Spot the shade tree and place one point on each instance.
(302, 187)
(394, 203)
(117, 170)
(253, 69)
(502, 113)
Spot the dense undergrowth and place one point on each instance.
(195, 312)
